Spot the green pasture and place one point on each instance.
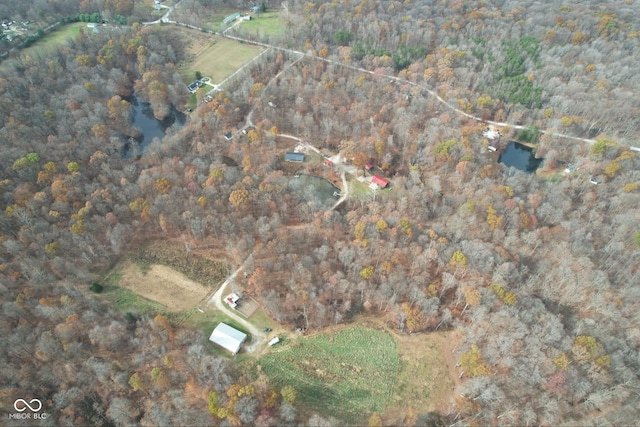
(346, 374)
(128, 301)
(220, 59)
(264, 24)
(56, 38)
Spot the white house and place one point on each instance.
(227, 337)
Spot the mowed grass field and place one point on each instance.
(56, 38)
(264, 24)
(220, 58)
(348, 374)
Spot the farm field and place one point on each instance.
(163, 285)
(344, 374)
(161, 278)
(218, 58)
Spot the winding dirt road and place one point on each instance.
(257, 336)
(397, 79)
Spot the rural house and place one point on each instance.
(227, 337)
(380, 182)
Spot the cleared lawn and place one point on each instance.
(264, 24)
(346, 374)
(220, 58)
(56, 38)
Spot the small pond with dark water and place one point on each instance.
(149, 126)
(520, 157)
(311, 188)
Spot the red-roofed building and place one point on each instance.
(380, 182)
(368, 166)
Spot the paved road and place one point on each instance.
(257, 336)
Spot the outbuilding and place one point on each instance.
(227, 337)
(294, 157)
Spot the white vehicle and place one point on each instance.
(274, 341)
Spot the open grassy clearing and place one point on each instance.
(53, 39)
(207, 272)
(163, 285)
(346, 373)
(219, 59)
(162, 278)
(359, 191)
(264, 24)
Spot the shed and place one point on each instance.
(294, 157)
(380, 182)
(368, 166)
(228, 136)
(231, 18)
(227, 337)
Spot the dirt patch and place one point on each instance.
(163, 285)
(247, 306)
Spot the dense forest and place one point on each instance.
(540, 271)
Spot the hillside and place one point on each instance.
(535, 274)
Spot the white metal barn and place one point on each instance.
(227, 337)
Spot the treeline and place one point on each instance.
(579, 80)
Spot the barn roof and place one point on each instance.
(227, 337)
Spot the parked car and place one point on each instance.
(266, 329)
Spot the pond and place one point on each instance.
(520, 157)
(314, 189)
(149, 126)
